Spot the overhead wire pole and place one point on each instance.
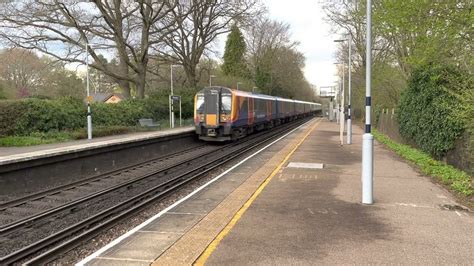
(349, 118)
(171, 98)
(341, 107)
(342, 119)
(349, 121)
(368, 138)
(89, 113)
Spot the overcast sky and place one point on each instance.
(308, 27)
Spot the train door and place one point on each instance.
(211, 104)
(251, 111)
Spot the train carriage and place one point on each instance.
(222, 114)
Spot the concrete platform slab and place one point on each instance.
(307, 216)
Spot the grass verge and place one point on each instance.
(456, 179)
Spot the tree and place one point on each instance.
(198, 24)
(21, 71)
(275, 63)
(234, 54)
(61, 29)
(60, 82)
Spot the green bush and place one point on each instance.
(429, 109)
(29, 116)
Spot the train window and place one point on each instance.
(200, 103)
(226, 102)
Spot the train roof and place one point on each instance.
(256, 95)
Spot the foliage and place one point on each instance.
(428, 112)
(234, 61)
(458, 180)
(25, 117)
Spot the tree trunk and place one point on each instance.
(141, 82)
(191, 76)
(125, 86)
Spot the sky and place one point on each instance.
(306, 19)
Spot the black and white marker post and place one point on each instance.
(368, 138)
(89, 112)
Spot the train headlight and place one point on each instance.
(225, 118)
(201, 117)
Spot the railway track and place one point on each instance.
(58, 229)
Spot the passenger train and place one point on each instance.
(222, 114)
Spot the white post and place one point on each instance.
(331, 109)
(180, 116)
(210, 79)
(171, 100)
(368, 139)
(89, 114)
(342, 119)
(349, 118)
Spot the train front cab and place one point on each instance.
(212, 114)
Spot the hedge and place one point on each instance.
(24, 117)
(430, 109)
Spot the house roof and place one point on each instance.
(104, 96)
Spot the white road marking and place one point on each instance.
(305, 165)
(131, 232)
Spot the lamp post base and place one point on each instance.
(367, 168)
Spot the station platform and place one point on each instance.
(10, 155)
(298, 202)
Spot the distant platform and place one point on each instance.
(10, 155)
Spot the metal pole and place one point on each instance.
(89, 113)
(171, 100)
(368, 138)
(349, 118)
(331, 109)
(342, 123)
(180, 117)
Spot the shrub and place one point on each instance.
(428, 111)
(27, 116)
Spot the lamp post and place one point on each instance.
(368, 138)
(171, 97)
(89, 113)
(341, 113)
(210, 80)
(349, 118)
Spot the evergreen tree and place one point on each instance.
(234, 61)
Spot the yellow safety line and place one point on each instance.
(213, 245)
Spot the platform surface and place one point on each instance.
(19, 154)
(266, 213)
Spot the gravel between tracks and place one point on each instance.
(121, 228)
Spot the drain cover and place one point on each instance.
(306, 165)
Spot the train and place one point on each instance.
(224, 114)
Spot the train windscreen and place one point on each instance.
(226, 103)
(200, 103)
